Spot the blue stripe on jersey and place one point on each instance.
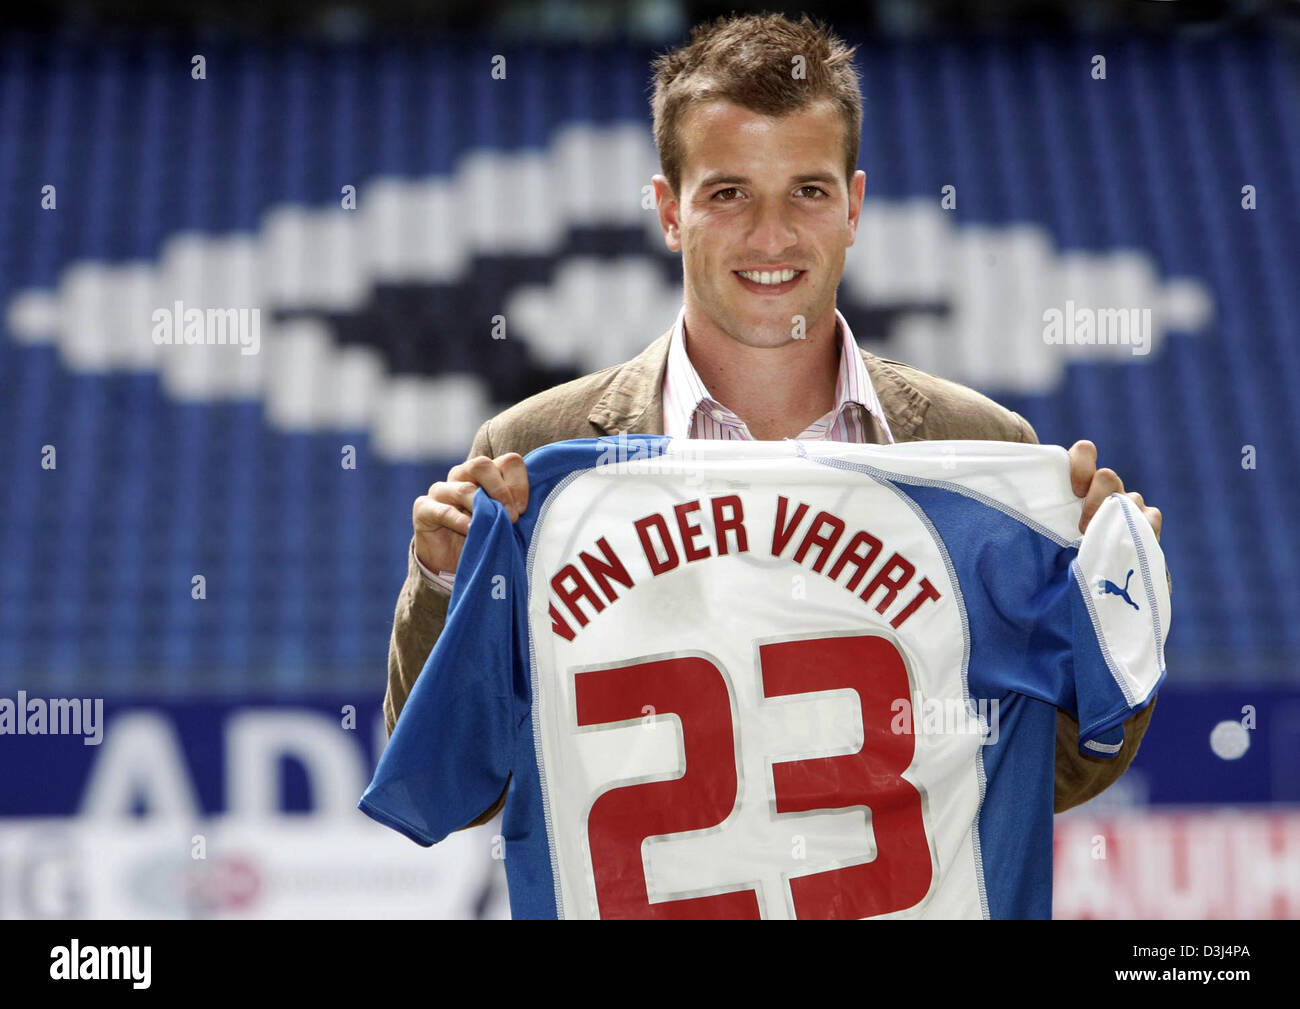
(1034, 651)
(532, 879)
(1015, 822)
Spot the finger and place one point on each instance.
(428, 515)
(515, 473)
(1083, 464)
(1152, 515)
(483, 471)
(1155, 518)
(1105, 482)
(455, 492)
(466, 470)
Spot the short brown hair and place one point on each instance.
(748, 60)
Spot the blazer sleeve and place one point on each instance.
(417, 624)
(1078, 776)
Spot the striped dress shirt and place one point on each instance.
(690, 412)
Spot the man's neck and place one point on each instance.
(776, 391)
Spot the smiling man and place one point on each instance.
(758, 121)
(763, 206)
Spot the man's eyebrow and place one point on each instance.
(740, 180)
(718, 180)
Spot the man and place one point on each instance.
(758, 123)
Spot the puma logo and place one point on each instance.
(1110, 588)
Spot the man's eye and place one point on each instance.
(815, 191)
(722, 193)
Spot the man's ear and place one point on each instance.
(857, 191)
(666, 205)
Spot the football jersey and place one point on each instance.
(778, 679)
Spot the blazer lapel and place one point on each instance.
(904, 404)
(633, 402)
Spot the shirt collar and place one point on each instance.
(684, 391)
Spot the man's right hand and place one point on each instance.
(441, 517)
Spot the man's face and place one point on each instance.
(761, 194)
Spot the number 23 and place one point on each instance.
(696, 691)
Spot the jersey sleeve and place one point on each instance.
(1119, 619)
(451, 751)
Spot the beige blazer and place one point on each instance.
(629, 398)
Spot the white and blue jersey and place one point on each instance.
(794, 679)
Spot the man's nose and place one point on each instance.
(773, 233)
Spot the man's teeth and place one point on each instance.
(769, 277)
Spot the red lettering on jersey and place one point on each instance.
(869, 783)
(603, 570)
(850, 555)
(884, 579)
(814, 537)
(561, 626)
(694, 689)
(570, 594)
(924, 593)
(735, 522)
(899, 876)
(690, 532)
(782, 532)
(656, 522)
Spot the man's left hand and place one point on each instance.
(1095, 485)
